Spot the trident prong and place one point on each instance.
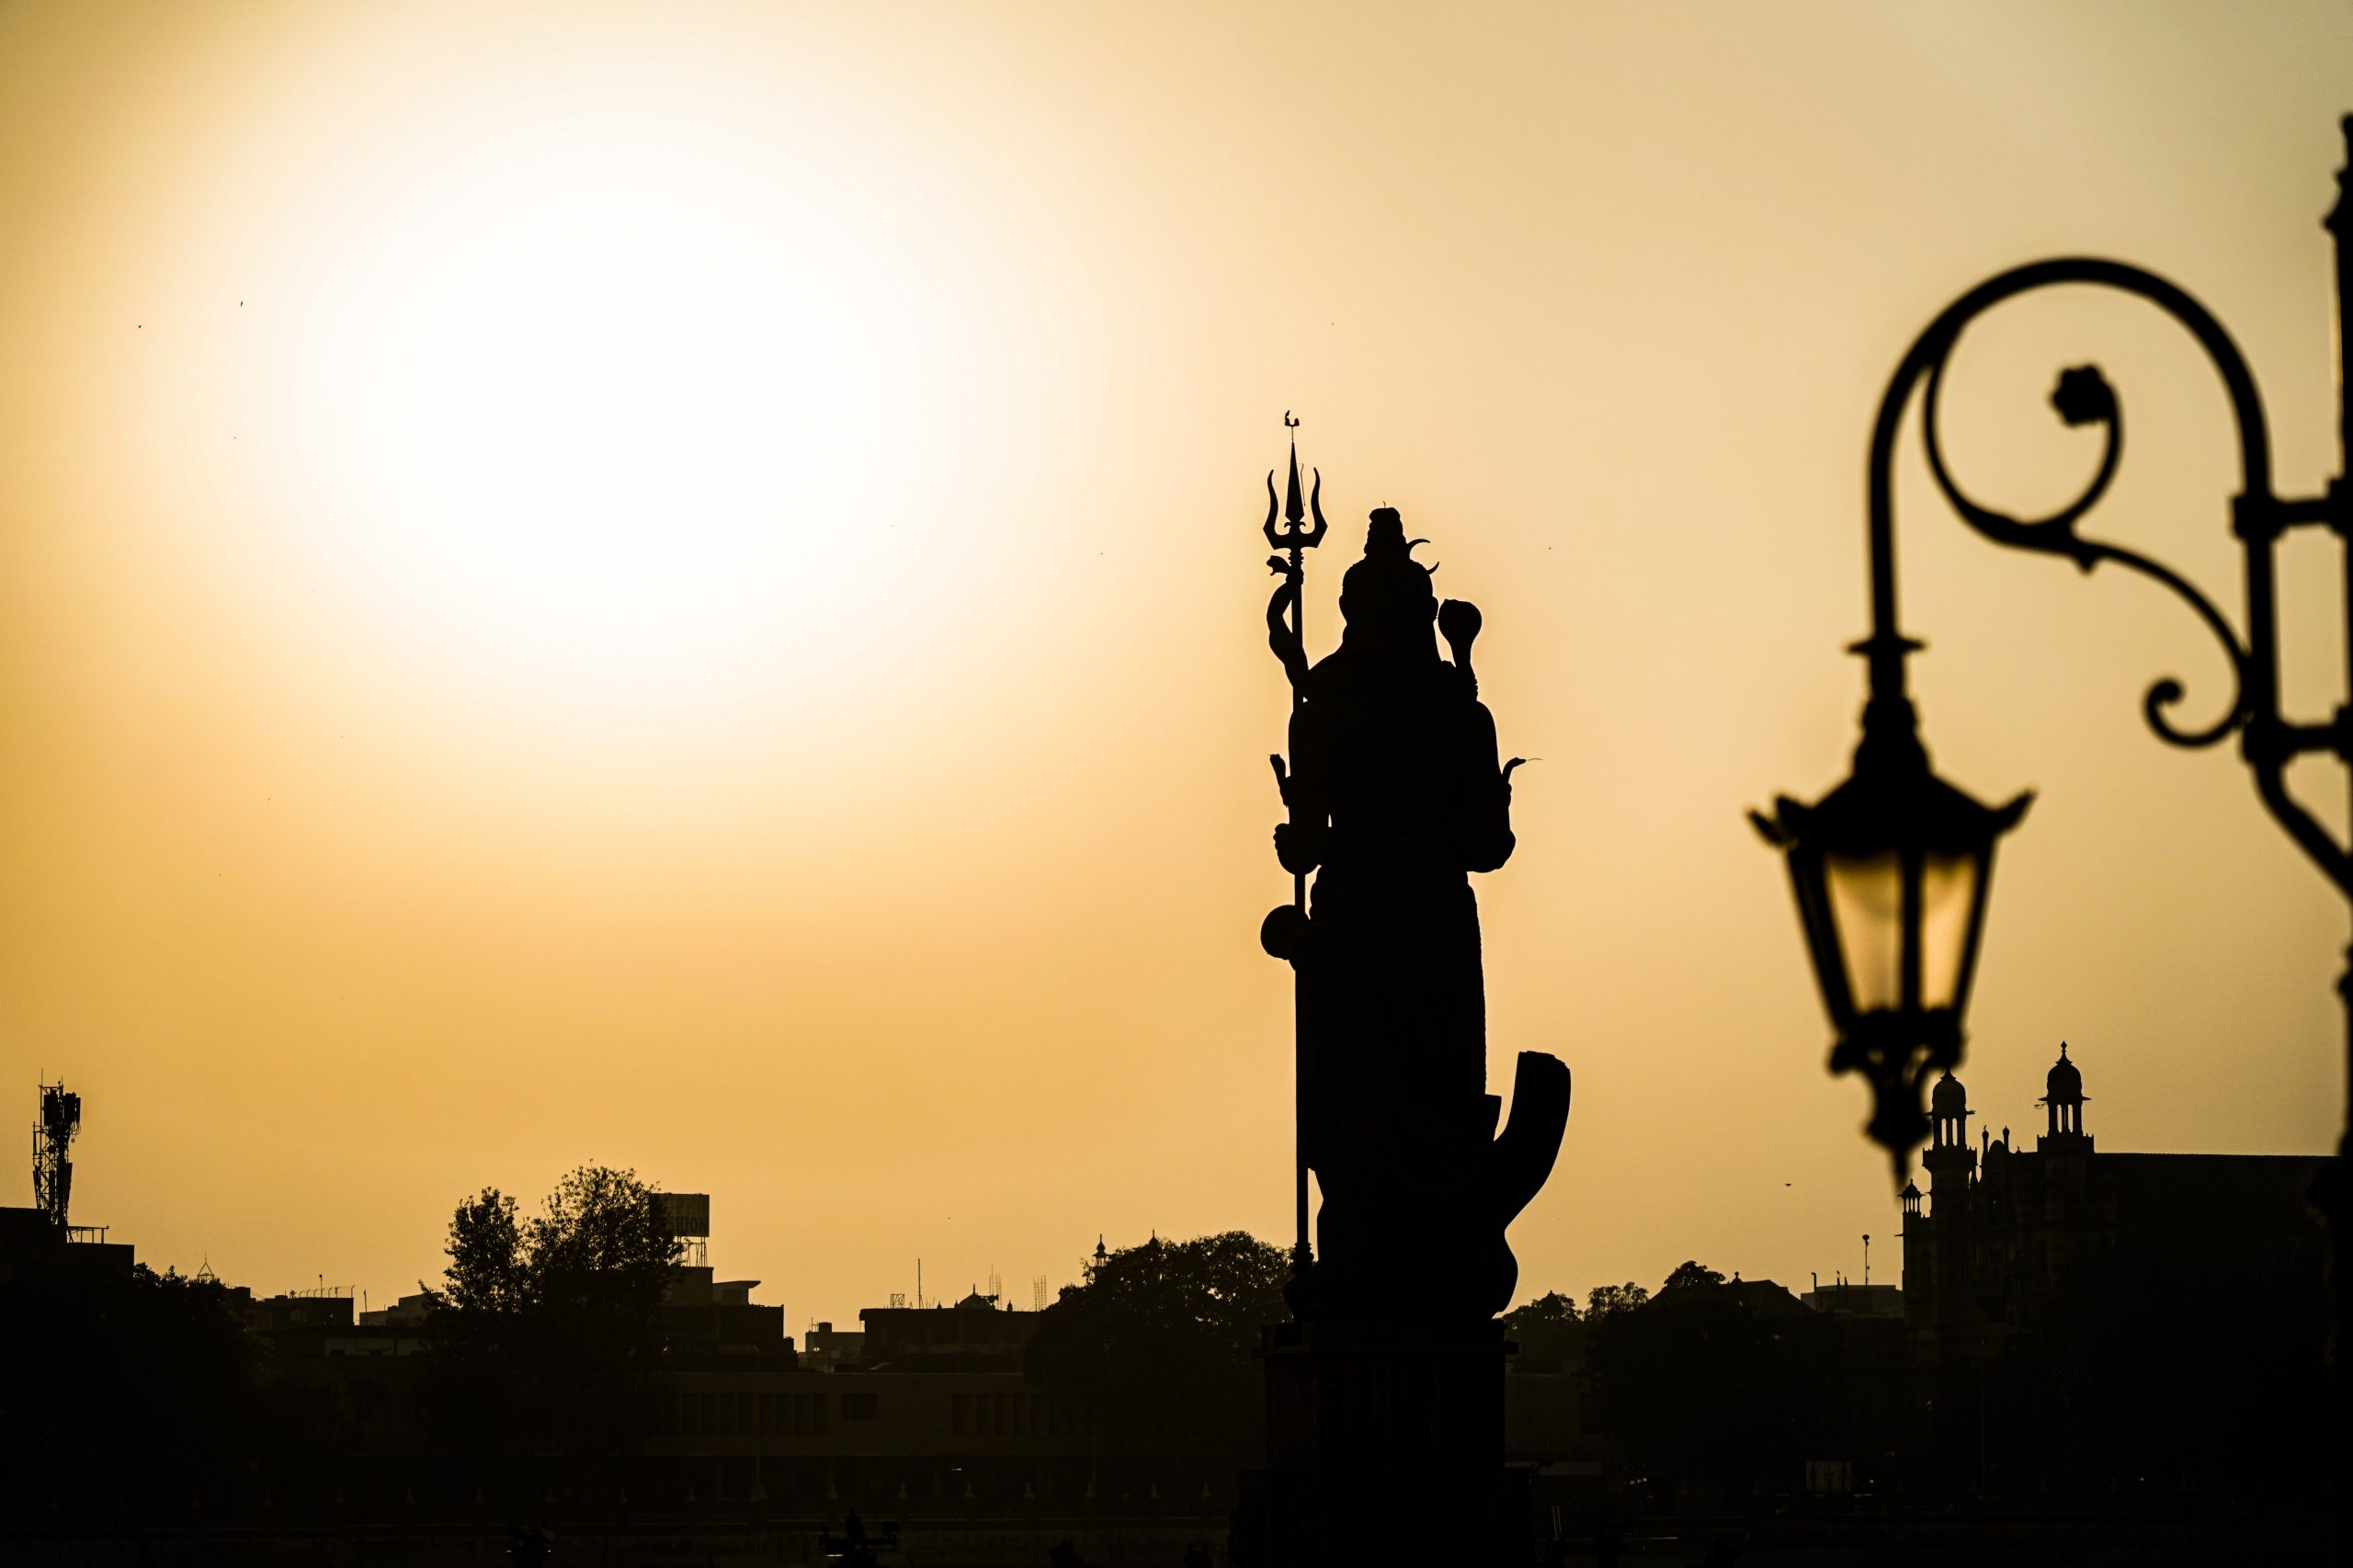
(1296, 534)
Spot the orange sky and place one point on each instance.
(680, 587)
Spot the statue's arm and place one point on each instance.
(1283, 622)
(1486, 836)
(1300, 843)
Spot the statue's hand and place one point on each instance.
(1299, 848)
(1459, 622)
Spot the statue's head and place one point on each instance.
(1386, 597)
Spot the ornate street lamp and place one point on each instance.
(1891, 871)
(1891, 868)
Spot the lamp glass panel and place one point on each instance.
(1866, 906)
(1948, 900)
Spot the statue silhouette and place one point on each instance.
(1395, 796)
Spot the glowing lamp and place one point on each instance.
(1890, 870)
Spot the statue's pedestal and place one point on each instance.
(1384, 1444)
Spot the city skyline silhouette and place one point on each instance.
(395, 745)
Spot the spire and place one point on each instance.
(1294, 513)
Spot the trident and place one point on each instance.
(1286, 635)
(1287, 612)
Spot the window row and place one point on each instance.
(751, 1414)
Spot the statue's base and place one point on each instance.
(1384, 1444)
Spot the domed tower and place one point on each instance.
(1916, 1232)
(1950, 1161)
(2063, 1095)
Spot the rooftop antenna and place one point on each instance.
(1867, 1261)
(1038, 1294)
(60, 1118)
(918, 1282)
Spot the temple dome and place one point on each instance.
(1949, 1098)
(2065, 1082)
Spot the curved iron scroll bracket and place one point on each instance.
(2083, 397)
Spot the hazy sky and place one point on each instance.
(680, 587)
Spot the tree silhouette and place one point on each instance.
(1549, 1328)
(1158, 1347)
(1714, 1385)
(1692, 1273)
(547, 1331)
(1606, 1301)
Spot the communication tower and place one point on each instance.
(1038, 1294)
(60, 1118)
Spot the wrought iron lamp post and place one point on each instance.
(1891, 868)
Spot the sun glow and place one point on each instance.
(617, 401)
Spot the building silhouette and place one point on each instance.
(926, 1412)
(2002, 1227)
(2055, 1292)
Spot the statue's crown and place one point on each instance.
(1387, 588)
